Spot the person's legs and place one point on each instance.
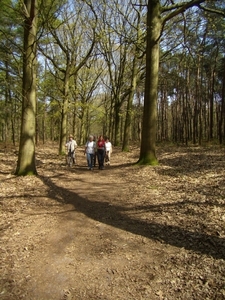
(101, 158)
(109, 154)
(89, 160)
(95, 157)
(107, 157)
(74, 157)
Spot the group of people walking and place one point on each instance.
(98, 151)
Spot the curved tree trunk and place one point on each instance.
(26, 158)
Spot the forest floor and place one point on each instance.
(124, 233)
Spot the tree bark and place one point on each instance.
(154, 26)
(222, 114)
(129, 112)
(26, 158)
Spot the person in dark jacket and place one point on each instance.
(101, 152)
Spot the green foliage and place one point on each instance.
(99, 91)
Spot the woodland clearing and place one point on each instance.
(124, 233)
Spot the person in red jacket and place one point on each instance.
(101, 152)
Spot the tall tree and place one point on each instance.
(115, 45)
(11, 37)
(134, 77)
(157, 16)
(67, 52)
(26, 158)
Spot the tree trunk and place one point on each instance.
(211, 101)
(64, 112)
(127, 126)
(26, 158)
(222, 114)
(147, 151)
(117, 122)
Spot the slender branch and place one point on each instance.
(181, 8)
(212, 10)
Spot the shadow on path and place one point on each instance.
(115, 215)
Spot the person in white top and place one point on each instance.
(108, 151)
(71, 145)
(89, 151)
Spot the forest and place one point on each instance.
(150, 75)
(94, 71)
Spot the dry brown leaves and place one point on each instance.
(127, 232)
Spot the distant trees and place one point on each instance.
(157, 17)
(116, 46)
(67, 43)
(190, 95)
(11, 44)
(103, 69)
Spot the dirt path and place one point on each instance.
(125, 232)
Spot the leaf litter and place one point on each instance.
(126, 232)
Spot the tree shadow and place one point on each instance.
(116, 216)
(186, 163)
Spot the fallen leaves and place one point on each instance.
(128, 232)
